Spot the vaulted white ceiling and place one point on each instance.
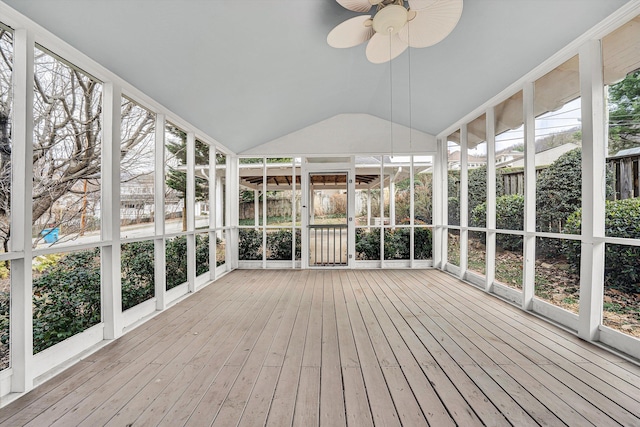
(251, 71)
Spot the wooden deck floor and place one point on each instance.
(340, 347)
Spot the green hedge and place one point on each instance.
(67, 293)
(478, 187)
(622, 262)
(396, 243)
(66, 298)
(509, 216)
(137, 272)
(250, 244)
(279, 245)
(368, 244)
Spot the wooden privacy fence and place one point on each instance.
(626, 176)
(625, 172)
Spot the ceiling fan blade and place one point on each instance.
(351, 32)
(382, 48)
(421, 4)
(356, 5)
(433, 24)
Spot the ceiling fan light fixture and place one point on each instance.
(422, 23)
(390, 19)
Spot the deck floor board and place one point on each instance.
(338, 347)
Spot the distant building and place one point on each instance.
(545, 158)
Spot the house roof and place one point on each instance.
(247, 72)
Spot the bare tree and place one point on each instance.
(67, 144)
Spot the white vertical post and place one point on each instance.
(593, 190)
(438, 198)
(231, 211)
(491, 199)
(438, 201)
(529, 242)
(381, 203)
(219, 201)
(440, 204)
(411, 212)
(464, 202)
(293, 213)
(368, 206)
(21, 322)
(351, 214)
(213, 212)
(307, 197)
(256, 207)
(392, 200)
(159, 247)
(264, 212)
(111, 277)
(190, 205)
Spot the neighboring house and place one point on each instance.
(545, 158)
(137, 199)
(472, 161)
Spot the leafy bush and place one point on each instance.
(250, 244)
(202, 254)
(559, 192)
(478, 187)
(397, 243)
(454, 211)
(622, 262)
(66, 298)
(368, 244)
(5, 302)
(422, 242)
(176, 261)
(558, 196)
(138, 275)
(279, 245)
(509, 216)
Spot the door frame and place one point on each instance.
(318, 165)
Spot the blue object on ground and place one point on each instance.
(51, 234)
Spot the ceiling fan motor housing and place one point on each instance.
(390, 19)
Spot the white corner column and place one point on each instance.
(110, 259)
(159, 247)
(189, 210)
(439, 202)
(21, 322)
(464, 202)
(490, 267)
(593, 190)
(213, 212)
(231, 202)
(529, 242)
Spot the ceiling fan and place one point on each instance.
(394, 27)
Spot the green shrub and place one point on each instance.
(202, 254)
(176, 261)
(397, 243)
(66, 298)
(622, 262)
(5, 302)
(137, 272)
(559, 193)
(422, 242)
(279, 245)
(453, 209)
(478, 187)
(509, 216)
(250, 244)
(368, 244)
